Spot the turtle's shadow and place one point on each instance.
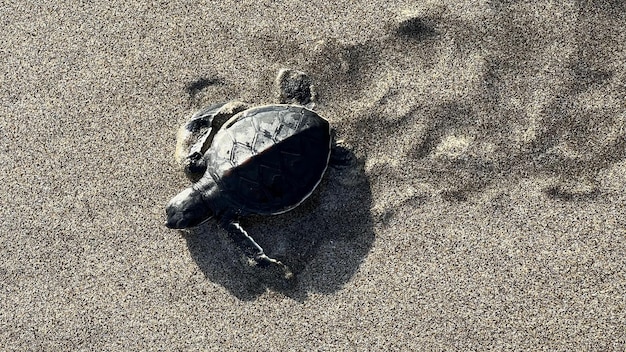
(323, 241)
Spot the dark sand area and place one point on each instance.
(485, 209)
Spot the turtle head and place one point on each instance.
(187, 209)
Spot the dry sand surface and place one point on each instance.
(485, 208)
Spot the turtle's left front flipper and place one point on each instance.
(252, 249)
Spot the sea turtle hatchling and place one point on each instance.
(264, 160)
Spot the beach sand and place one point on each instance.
(484, 208)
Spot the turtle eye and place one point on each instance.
(195, 156)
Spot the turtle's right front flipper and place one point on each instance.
(252, 249)
(196, 135)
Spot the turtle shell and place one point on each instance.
(267, 160)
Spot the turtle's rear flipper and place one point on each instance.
(340, 155)
(252, 249)
(295, 87)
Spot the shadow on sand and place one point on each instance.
(323, 241)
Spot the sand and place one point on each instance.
(484, 208)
